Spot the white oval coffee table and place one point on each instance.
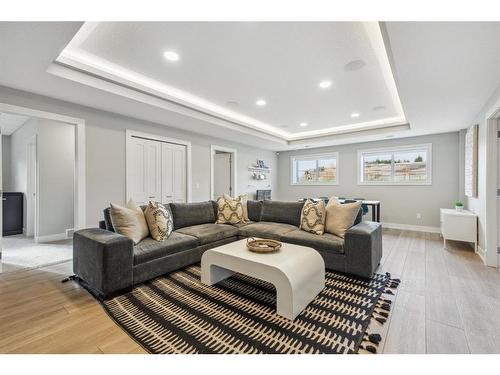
(297, 272)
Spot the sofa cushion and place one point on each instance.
(243, 224)
(107, 219)
(188, 214)
(282, 212)
(149, 249)
(254, 210)
(207, 233)
(265, 229)
(324, 242)
(359, 217)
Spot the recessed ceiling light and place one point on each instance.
(303, 124)
(171, 56)
(261, 102)
(389, 136)
(325, 84)
(378, 108)
(233, 103)
(354, 115)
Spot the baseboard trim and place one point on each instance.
(481, 253)
(415, 228)
(51, 238)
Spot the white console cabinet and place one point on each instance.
(458, 226)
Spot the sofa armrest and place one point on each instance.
(103, 260)
(363, 248)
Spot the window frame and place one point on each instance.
(393, 149)
(314, 157)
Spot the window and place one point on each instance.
(407, 165)
(315, 169)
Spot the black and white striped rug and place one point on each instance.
(178, 314)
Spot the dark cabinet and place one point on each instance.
(12, 213)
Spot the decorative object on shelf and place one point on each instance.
(261, 164)
(260, 171)
(459, 206)
(258, 176)
(263, 246)
(471, 161)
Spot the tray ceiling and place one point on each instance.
(291, 80)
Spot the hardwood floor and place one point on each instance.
(447, 302)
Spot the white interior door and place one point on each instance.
(174, 184)
(145, 170)
(222, 174)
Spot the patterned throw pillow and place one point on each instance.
(243, 200)
(159, 220)
(313, 216)
(229, 211)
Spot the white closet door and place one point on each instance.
(145, 171)
(173, 173)
(180, 174)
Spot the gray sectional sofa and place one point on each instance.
(109, 263)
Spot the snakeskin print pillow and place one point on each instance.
(159, 220)
(229, 211)
(244, 203)
(312, 218)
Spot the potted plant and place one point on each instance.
(459, 206)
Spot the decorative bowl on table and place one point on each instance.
(263, 245)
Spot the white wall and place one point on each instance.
(56, 177)
(6, 175)
(399, 204)
(479, 204)
(105, 151)
(18, 163)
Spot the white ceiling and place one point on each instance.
(225, 67)
(9, 123)
(444, 73)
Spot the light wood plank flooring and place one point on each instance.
(447, 303)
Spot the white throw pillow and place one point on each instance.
(129, 221)
(340, 217)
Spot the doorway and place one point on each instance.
(42, 180)
(223, 171)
